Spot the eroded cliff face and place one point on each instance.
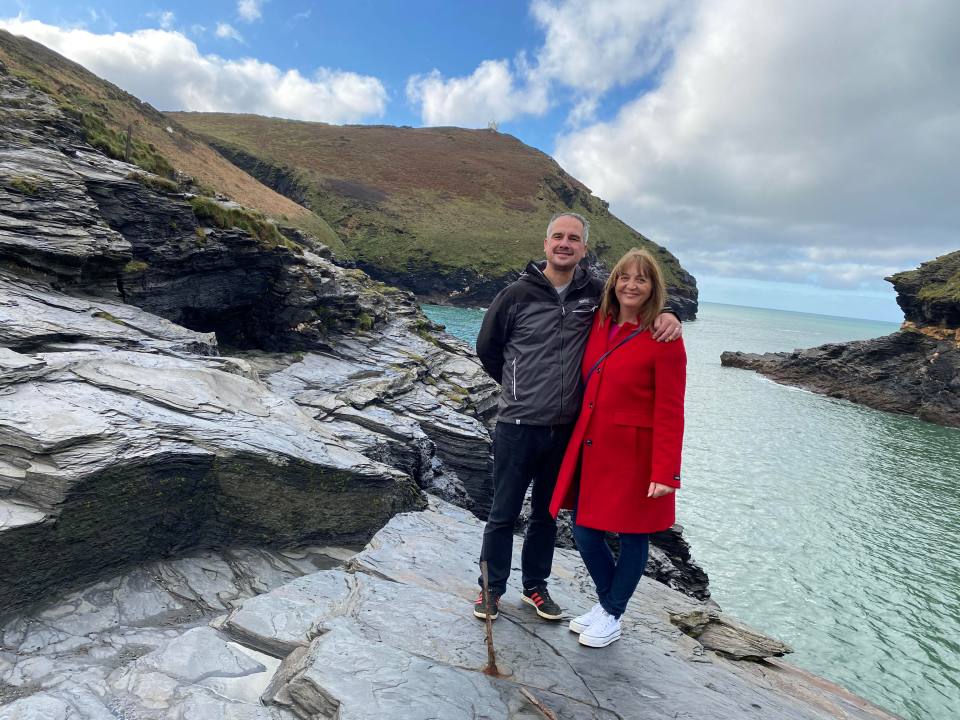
(930, 295)
(448, 213)
(915, 371)
(128, 436)
(166, 512)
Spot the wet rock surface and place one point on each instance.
(138, 645)
(127, 439)
(297, 634)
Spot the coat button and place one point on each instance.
(589, 442)
(590, 405)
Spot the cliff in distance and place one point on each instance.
(125, 128)
(914, 371)
(448, 213)
(203, 418)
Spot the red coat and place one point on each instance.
(629, 433)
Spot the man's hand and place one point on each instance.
(666, 327)
(657, 490)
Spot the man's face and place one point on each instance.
(564, 246)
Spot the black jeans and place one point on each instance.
(522, 453)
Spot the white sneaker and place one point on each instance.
(582, 622)
(604, 630)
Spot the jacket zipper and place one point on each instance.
(514, 378)
(563, 314)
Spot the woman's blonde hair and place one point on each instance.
(648, 265)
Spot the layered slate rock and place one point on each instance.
(417, 398)
(137, 645)
(125, 436)
(261, 635)
(915, 371)
(124, 455)
(397, 639)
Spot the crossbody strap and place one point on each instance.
(623, 342)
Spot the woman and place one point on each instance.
(622, 465)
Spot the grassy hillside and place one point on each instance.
(431, 208)
(156, 143)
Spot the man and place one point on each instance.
(531, 342)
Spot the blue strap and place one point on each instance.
(603, 357)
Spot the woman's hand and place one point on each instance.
(657, 490)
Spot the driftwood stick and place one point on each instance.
(544, 710)
(491, 668)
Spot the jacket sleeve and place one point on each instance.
(494, 332)
(670, 379)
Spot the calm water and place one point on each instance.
(831, 526)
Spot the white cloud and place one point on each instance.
(809, 141)
(249, 10)
(594, 46)
(589, 48)
(228, 32)
(490, 93)
(166, 18)
(166, 69)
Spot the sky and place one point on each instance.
(791, 153)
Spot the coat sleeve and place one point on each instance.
(494, 332)
(670, 379)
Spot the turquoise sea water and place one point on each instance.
(829, 525)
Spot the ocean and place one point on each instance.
(831, 526)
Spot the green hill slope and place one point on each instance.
(435, 210)
(109, 116)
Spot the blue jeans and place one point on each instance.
(616, 580)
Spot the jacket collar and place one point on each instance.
(535, 268)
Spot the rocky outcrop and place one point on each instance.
(906, 372)
(915, 371)
(930, 295)
(125, 436)
(115, 330)
(296, 635)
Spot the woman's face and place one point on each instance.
(633, 289)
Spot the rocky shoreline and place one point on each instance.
(152, 482)
(915, 371)
(325, 632)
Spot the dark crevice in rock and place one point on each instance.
(181, 504)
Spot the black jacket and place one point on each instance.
(532, 344)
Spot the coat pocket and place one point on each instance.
(634, 418)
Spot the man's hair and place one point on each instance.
(642, 260)
(581, 218)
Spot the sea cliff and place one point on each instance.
(914, 371)
(203, 419)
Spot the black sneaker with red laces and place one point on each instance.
(491, 607)
(541, 600)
